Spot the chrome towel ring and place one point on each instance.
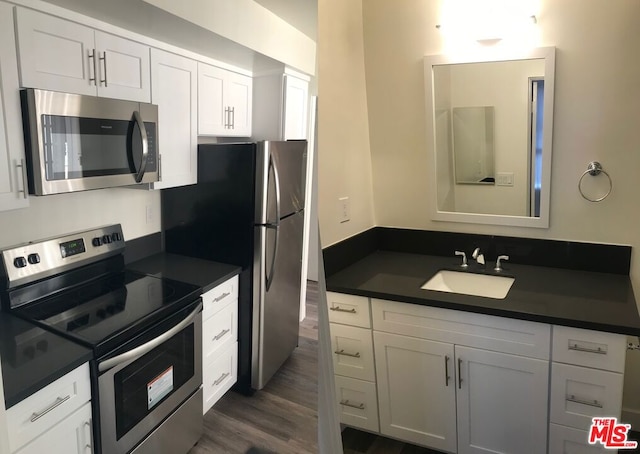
(595, 168)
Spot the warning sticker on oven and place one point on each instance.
(159, 387)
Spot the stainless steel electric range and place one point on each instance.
(145, 332)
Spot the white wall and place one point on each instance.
(344, 161)
(65, 213)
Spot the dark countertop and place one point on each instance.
(203, 273)
(582, 299)
(32, 357)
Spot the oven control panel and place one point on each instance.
(38, 259)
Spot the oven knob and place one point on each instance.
(115, 236)
(106, 239)
(33, 258)
(20, 262)
(97, 241)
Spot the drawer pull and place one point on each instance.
(222, 377)
(346, 403)
(577, 348)
(591, 403)
(221, 297)
(343, 353)
(339, 309)
(222, 333)
(59, 401)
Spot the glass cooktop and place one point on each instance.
(112, 308)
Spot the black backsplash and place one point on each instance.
(602, 258)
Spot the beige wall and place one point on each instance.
(596, 118)
(344, 161)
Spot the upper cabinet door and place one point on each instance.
(296, 111)
(224, 102)
(174, 90)
(13, 189)
(212, 112)
(55, 54)
(240, 99)
(123, 68)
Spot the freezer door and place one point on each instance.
(276, 311)
(280, 179)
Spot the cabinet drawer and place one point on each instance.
(216, 298)
(501, 334)
(72, 435)
(219, 376)
(348, 309)
(579, 394)
(589, 348)
(42, 410)
(352, 350)
(567, 440)
(219, 331)
(357, 403)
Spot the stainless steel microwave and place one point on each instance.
(76, 142)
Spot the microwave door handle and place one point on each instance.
(145, 348)
(145, 146)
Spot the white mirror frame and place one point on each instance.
(546, 53)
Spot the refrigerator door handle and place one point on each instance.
(272, 268)
(276, 180)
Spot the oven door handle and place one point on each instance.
(145, 348)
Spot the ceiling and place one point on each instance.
(302, 14)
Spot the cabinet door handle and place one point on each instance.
(343, 353)
(89, 444)
(577, 348)
(222, 377)
(339, 309)
(222, 333)
(459, 373)
(591, 403)
(103, 59)
(59, 401)
(446, 370)
(23, 169)
(346, 403)
(233, 118)
(226, 118)
(221, 297)
(92, 62)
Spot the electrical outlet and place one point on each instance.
(149, 212)
(345, 209)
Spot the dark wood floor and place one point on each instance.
(282, 417)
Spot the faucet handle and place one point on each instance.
(500, 257)
(464, 259)
(475, 253)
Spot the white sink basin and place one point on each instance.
(489, 286)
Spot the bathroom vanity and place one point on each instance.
(463, 373)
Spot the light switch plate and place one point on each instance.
(504, 179)
(345, 209)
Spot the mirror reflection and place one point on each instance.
(489, 129)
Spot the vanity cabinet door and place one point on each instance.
(416, 390)
(501, 402)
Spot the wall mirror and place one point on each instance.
(489, 131)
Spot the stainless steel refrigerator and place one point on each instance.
(247, 209)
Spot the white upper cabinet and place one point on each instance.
(174, 81)
(13, 190)
(281, 106)
(60, 55)
(224, 102)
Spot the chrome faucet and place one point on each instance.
(478, 256)
(464, 259)
(500, 257)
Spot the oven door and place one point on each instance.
(84, 142)
(145, 381)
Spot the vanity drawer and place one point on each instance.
(506, 335)
(42, 410)
(589, 348)
(218, 297)
(567, 440)
(219, 376)
(352, 349)
(579, 394)
(357, 403)
(219, 330)
(349, 309)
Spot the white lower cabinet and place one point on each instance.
(358, 403)
(568, 440)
